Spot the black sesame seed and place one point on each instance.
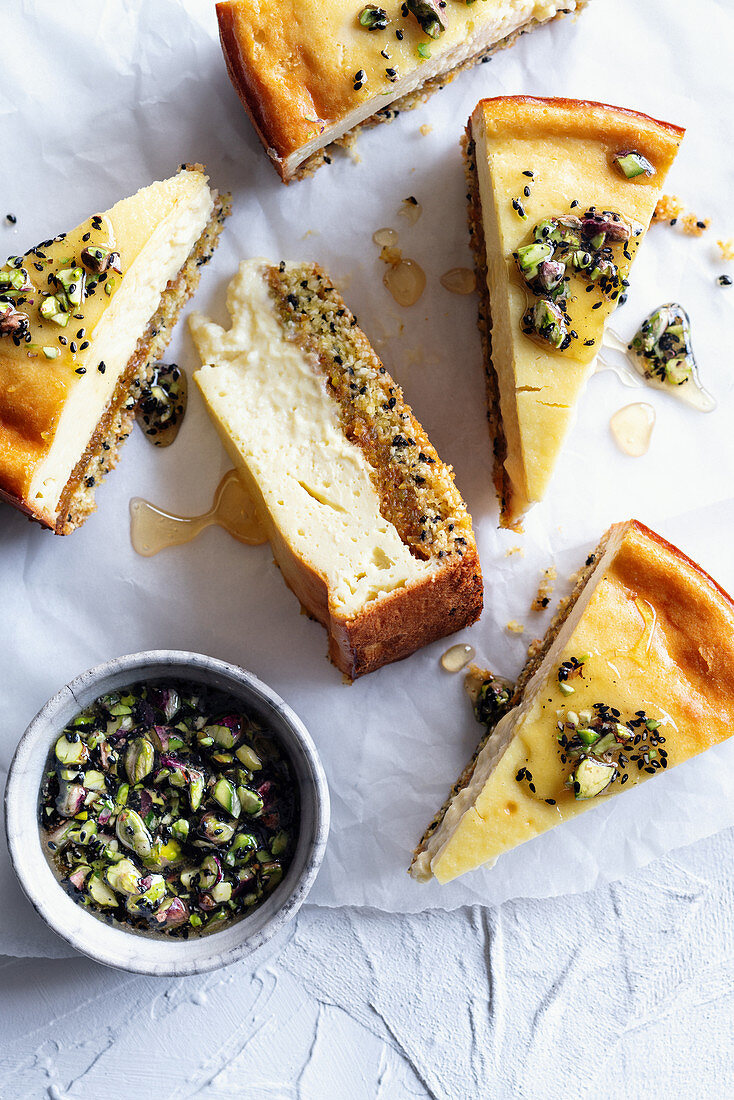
(11, 218)
(81, 370)
(83, 346)
(102, 367)
(526, 192)
(528, 173)
(724, 280)
(574, 203)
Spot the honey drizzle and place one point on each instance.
(152, 529)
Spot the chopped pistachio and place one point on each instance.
(51, 353)
(373, 18)
(632, 164)
(428, 13)
(52, 309)
(72, 280)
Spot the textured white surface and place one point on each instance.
(626, 993)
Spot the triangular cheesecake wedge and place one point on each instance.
(635, 675)
(81, 317)
(561, 194)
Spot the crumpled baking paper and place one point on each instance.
(100, 98)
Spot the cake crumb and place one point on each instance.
(426, 129)
(545, 589)
(515, 550)
(515, 628)
(726, 248)
(694, 226)
(670, 209)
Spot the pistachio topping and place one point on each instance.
(602, 749)
(52, 308)
(373, 18)
(97, 258)
(167, 808)
(13, 322)
(632, 164)
(663, 343)
(428, 13)
(559, 248)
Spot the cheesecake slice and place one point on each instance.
(81, 317)
(363, 517)
(635, 675)
(311, 72)
(561, 193)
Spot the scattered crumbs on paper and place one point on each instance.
(426, 129)
(515, 550)
(545, 589)
(726, 248)
(515, 627)
(670, 209)
(309, 233)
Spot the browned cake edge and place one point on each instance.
(415, 98)
(536, 654)
(102, 454)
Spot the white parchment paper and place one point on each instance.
(99, 98)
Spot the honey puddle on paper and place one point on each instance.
(459, 280)
(631, 428)
(153, 530)
(405, 279)
(457, 657)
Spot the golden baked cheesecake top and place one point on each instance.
(307, 72)
(562, 194)
(71, 312)
(637, 678)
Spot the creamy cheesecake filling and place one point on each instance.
(283, 428)
(113, 342)
(458, 44)
(489, 758)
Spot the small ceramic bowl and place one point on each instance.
(129, 950)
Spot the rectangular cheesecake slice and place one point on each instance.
(82, 316)
(363, 517)
(635, 675)
(311, 72)
(561, 193)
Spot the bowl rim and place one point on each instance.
(44, 726)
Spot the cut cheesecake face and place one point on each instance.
(364, 519)
(635, 676)
(561, 194)
(81, 316)
(312, 71)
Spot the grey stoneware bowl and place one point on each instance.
(129, 950)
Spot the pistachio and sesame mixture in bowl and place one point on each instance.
(166, 807)
(166, 813)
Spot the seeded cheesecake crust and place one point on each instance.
(502, 483)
